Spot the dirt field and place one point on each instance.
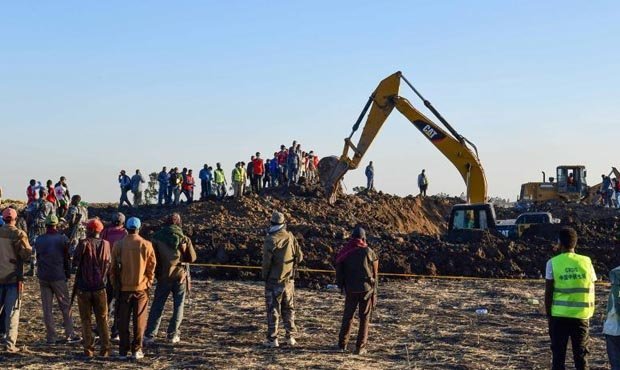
(424, 324)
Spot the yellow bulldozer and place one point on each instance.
(569, 185)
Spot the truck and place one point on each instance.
(515, 228)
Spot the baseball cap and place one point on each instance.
(51, 220)
(94, 225)
(133, 223)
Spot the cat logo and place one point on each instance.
(429, 131)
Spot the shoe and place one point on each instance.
(147, 341)
(115, 338)
(361, 351)
(342, 348)
(291, 341)
(175, 339)
(139, 355)
(122, 357)
(272, 343)
(13, 349)
(104, 353)
(74, 339)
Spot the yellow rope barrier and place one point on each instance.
(385, 274)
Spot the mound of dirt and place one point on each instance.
(408, 234)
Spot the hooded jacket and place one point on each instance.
(281, 255)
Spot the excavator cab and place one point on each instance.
(472, 216)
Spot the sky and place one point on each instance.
(88, 88)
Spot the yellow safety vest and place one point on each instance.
(573, 288)
(219, 176)
(237, 175)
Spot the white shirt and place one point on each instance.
(549, 272)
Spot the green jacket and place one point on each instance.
(281, 255)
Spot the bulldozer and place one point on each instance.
(569, 185)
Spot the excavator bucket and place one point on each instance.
(331, 171)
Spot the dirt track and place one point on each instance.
(433, 320)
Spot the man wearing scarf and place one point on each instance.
(173, 249)
(281, 256)
(357, 269)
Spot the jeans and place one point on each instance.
(613, 351)
(292, 175)
(137, 197)
(97, 302)
(124, 198)
(59, 290)
(177, 195)
(280, 301)
(132, 304)
(220, 190)
(560, 329)
(370, 183)
(10, 305)
(353, 302)
(237, 189)
(204, 193)
(258, 183)
(162, 291)
(162, 194)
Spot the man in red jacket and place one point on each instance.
(259, 172)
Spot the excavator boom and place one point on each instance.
(381, 103)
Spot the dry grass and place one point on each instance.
(426, 324)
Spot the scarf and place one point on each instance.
(275, 228)
(170, 235)
(348, 249)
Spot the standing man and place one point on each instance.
(32, 191)
(423, 183)
(281, 256)
(611, 328)
(370, 177)
(14, 251)
(76, 218)
(188, 186)
(259, 171)
(203, 175)
(53, 271)
(93, 260)
(137, 188)
(162, 178)
(39, 211)
(282, 161)
(357, 270)
(113, 233)
(237, 180)
(61, 189)
(569, 300)
(133, 272)
(125, 183)
(250, 174)
(174, 251)
(292, 164)
(220, 182)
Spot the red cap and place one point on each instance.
(9, 213)
(95, 225)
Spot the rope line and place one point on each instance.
(385, 274)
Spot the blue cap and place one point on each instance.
(133, 223)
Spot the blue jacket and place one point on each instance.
(273, 166)
(163, 178)
(370, 172)
(203, 175)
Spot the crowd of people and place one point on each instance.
(114, 270)
(286, 167)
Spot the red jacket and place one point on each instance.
(282, 156)
(189, 182)
(31, 192)
(259, 167)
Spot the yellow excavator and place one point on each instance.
(476, 213)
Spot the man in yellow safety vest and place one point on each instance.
(569, 300)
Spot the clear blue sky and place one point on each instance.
(90, 87)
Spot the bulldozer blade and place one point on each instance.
(331, 171)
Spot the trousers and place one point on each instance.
(97, 302)
(560, 330)
(353, 302)
(132, 305)
(280, 302)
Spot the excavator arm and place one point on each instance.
(381, 103)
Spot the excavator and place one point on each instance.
(477, 213)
